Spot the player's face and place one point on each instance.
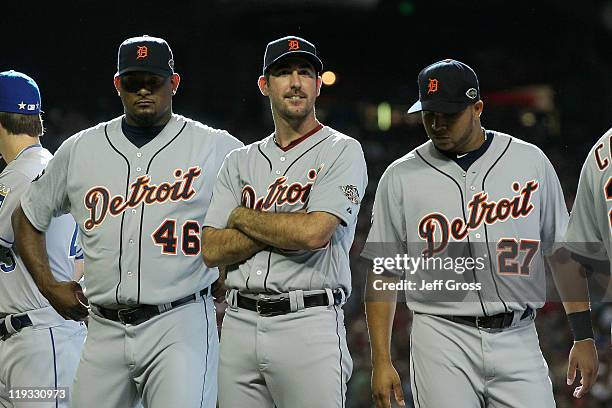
(457, 132)
(146, 97)
(292, 86)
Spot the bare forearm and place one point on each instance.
(571, 282)
(293, 231)
(227, 246)
(33, 251)
(380, 320)
(380, 311)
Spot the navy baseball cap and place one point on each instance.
(447, 86)
(291, 46)
(19, 94)
(145, 53)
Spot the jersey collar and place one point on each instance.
(299, 140)
(27, 148)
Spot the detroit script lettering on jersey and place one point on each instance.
(279, 193)
(480, 210)
(99, 202)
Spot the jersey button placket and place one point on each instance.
(138, 162)
(470, 187)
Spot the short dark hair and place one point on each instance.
(16, 124)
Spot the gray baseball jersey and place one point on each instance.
(504, 212)
(323, 171)
(18, 292)
(47, 353)
(591, 218)
(139, 210)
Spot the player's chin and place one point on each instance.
(296, 112)
(145, 117)
(444, 144)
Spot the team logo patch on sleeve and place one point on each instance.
(4, 190)
(351, 192)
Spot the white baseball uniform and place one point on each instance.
(45, 355)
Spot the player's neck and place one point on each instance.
(286, 132)
(12, 145)
(476, 140)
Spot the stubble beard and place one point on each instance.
(291, 115)
(145, 119)
(463, 140)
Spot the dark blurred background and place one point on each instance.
(544, 69)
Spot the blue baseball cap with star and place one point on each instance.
(19, 94)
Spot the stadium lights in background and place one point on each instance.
(328, 78)
(530, 106)
(528, 119)
(384, 116)
(406, 8)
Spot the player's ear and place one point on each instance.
(319, 83)
(175, 80)
(478, 108)
(117, 82)
(263, 85)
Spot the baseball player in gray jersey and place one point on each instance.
(39, 349)
(589, 232)
(282, 221)
(139, 187)
(499, 201)
(591, 217)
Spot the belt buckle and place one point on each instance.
(124, 312)
(479, 321)
(258, 305)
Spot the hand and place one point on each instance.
(386, 380)
(64, 297)
(218, 287)
(583, 356)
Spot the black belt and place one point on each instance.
(18, 323)
(495, 322)
(282, 305)
(141, 313)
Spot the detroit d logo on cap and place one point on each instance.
(142, 52)
(432, 86)
(294, 45)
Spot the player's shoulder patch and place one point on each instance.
(351, 192)
(4, 191)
